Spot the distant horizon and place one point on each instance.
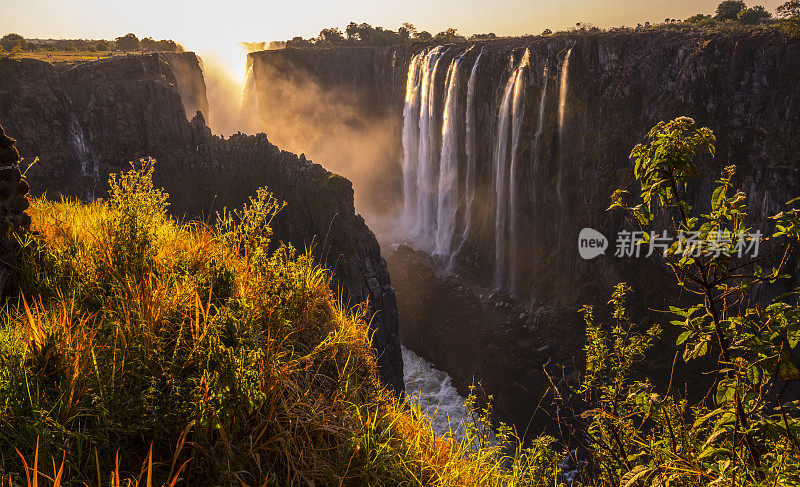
(214, 30)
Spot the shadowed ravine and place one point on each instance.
(475, 164)
(543, 130)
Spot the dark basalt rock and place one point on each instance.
(13, 204)
(88, 120)
(745, 87)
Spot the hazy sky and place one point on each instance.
(215, 27)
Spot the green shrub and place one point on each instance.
(746, 432)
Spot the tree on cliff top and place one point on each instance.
(10, 41)
(729, 9)
(406, 30)
(128, 42)
(449, 35)
(423, 36)
(753, 15)
(789, 14)
(298, 43)
(331, 35)
(789, 10)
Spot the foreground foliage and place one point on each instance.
(745, 432)
(144, 351)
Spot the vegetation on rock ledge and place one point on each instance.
(145, 351)
(745, 431)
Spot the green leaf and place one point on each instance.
(683, 337)
(725, 392)
(787, 370)
(716, 197)
(793, 336)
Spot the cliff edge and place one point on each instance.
(86, 121)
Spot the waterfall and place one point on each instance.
(540, 123)
(538, 134)
(562, 92)
(447, 201)
(562, 109)
(411, 110)
(250, 114)
(85, 156)
(501, 181)
(517, 114)
(504, 162)
(427, 171)
(470, 142)
(432, 165)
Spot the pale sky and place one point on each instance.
(216, 27)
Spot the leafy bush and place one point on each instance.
(11, 41)
(141, 350)
(729, 9)
(745, 432)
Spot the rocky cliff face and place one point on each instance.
(187, 69)
(88, 120)
(594, 109)
(336, 105)
(13, 204)
(619, 85)
(319, 216)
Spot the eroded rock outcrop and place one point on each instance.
(13, 203)
(88, 120)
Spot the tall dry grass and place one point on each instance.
(145, 351)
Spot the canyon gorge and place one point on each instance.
(476, 165)
(501, 152)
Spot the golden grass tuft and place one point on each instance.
(145, 351)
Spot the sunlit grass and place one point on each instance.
(145, 351)
(67, 56)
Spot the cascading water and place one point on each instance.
(428, 160)
(562, 110)
(562, 92)
(85, 156)
(509, 122)
(470, 142)
(447, 201)
(433, 392)
(432, 178)
(501, 181)
(517, 114)
(539, 128)
(540, 123)
(411, 110)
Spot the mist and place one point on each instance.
(225, 78)
(338, 128)
(224, 92)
